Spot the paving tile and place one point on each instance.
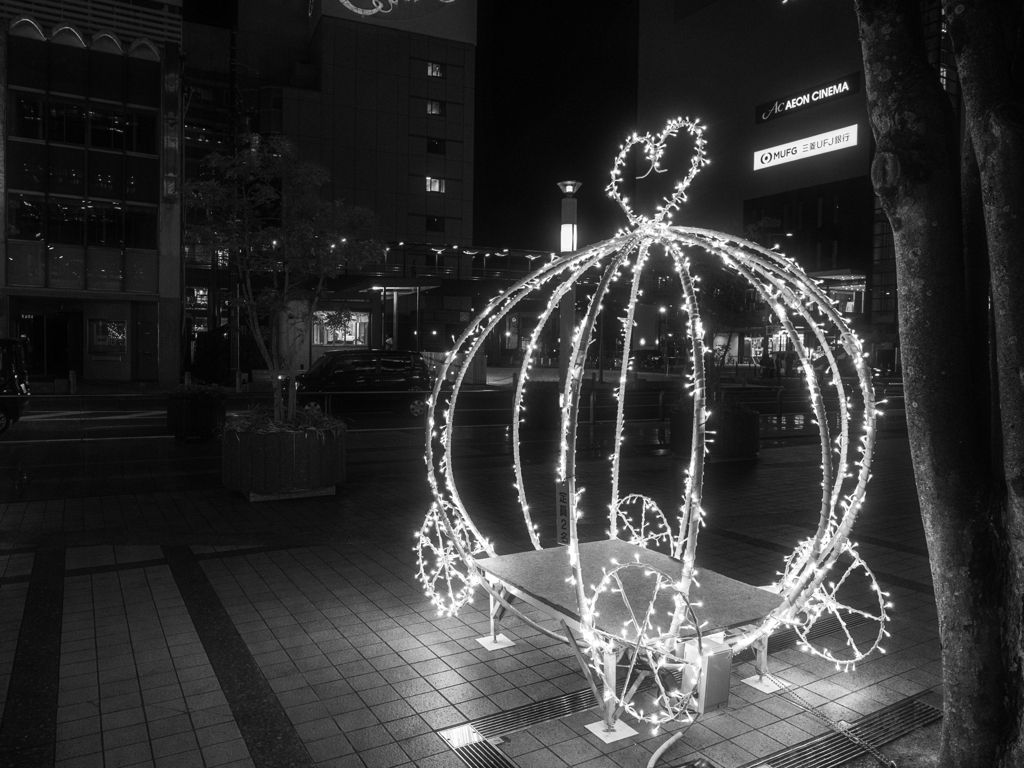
(78, 746)
(367, 738)
(392, 710)
(442, 718)
(174, 744)
(357, 719)
(542, 758)
(225, 752)
(331, 748)
(343, 627)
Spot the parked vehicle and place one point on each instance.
(397, 379)
(14, 389)
(643, 360)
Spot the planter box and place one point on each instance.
(280, 465)
(198, 419)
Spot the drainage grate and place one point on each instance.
(483, 754)
(536, 713)
(833, 749)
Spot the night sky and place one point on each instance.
(556, 89)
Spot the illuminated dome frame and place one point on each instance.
(449, 541)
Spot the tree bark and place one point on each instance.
(916, 175)
(986, 43)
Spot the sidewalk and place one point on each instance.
(182, 626)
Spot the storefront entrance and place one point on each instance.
(54, 331)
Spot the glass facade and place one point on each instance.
(83, 169)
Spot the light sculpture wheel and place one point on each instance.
(812, 575)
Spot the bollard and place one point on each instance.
(238, 381)
(188, 378)
(72, 382)
(593, 406)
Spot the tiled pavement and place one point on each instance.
(168, 622)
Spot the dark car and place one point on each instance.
(366, 379)
(14, 390)
(646, 360)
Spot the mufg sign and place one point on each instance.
(841, 138)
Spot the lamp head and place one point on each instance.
(569, 187)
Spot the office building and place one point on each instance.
(788, 138)
(385, 104)
(90, 269)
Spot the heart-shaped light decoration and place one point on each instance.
(654, 150)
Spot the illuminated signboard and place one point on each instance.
(812, 97)
(841, 138)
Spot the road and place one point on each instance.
(56, 417)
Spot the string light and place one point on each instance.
(663, 636)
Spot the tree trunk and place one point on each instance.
(986, 43)
(915, 173)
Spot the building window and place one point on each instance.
(106, 129)
(66, 123)
(434, 69)
(106, 175)
(26, 116)
(141, 179)
(67, 170)
(65, 222)
(140, 228)
(435, 146)
(108, 337)
(24, 217)
(197, 297)
(27, 166)
(435, 107)
(435, 185)
(349, 329)
(140, 133)
(105, 226)
(435, 224)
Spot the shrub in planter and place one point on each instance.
(265, 458)
(195, 411)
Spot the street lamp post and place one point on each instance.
(567, 306)
(566, 323)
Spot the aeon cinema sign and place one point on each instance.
(812, 97)
(841, 138)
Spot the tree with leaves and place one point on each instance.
(957, 213)
(264, 206)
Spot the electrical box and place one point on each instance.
(716, 670)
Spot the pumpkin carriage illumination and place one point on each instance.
(626, 609)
